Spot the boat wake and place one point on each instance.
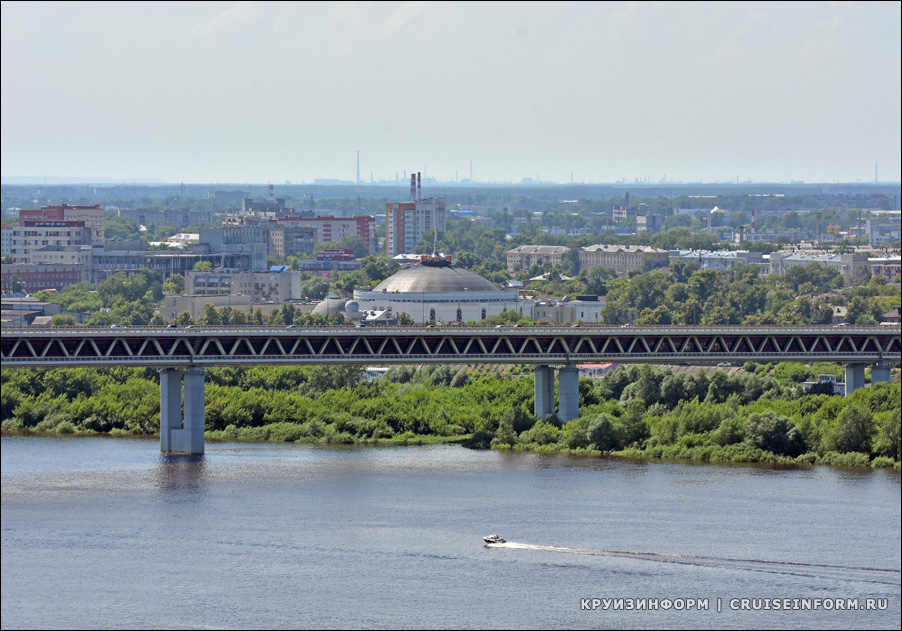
(882, 576)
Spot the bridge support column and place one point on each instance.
(544, 389)
(880, 372)
(854, 377)
(176, 437)
(568, 393)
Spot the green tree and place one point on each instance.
(889, 441)
(602, 435)
(174, 285)
(203, 266)
(16, 286)
(315, 288)
(853, 432)
(210, 316)
(777, 434)
(62, 320)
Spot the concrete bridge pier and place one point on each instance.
(854, 377)
(177, 436)
(544, 389)
(568, 393)
(880, 372)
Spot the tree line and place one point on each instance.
(761, 414)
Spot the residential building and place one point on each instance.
(522, 258)
(277, 284)
(6, 239)
(839, 387)
(178, 217)
(584, 308)
(328, 261)
(622, 259)
(93, 216)
(407, 222)
(330, 229)
(649, 223)
(38, 277)
(34, 234)
(893, 316)
(719, 259)
(843, 263)
(621, 213)
(78, 255)
(890, 267)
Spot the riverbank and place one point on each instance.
(633, 412)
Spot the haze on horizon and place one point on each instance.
(596, 92)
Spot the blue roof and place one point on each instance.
(278, 268)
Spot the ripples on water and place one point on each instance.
(109, 533)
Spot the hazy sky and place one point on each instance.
(275, 91)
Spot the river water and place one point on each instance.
(107, 533)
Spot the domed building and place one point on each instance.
(441, 294)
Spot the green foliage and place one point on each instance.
(174, 285)
(773, 433)
(60, 320)
(750, 419)
(853, 431)
(602, 434)
(889, 441)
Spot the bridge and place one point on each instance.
(182, 353)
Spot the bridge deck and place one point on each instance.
(217, 346)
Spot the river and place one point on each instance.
(108, 533)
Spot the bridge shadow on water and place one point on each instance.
(181, 472)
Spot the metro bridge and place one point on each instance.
(182, 353)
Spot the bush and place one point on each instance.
(479, 440)
(852, 459)
(602, 434)
(773, 433)
(853, 431)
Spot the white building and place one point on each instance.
(275, 285)
(719, 259)
(586, 309)
(438, 294)
(781, 261)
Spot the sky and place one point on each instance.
(269, 92)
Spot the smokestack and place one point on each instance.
(753, 222)
(419, 190)
(413, 187)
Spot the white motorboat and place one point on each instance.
(493, 539)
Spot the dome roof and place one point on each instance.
(329, 305)
(434, 280)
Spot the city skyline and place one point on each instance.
(230, 92)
